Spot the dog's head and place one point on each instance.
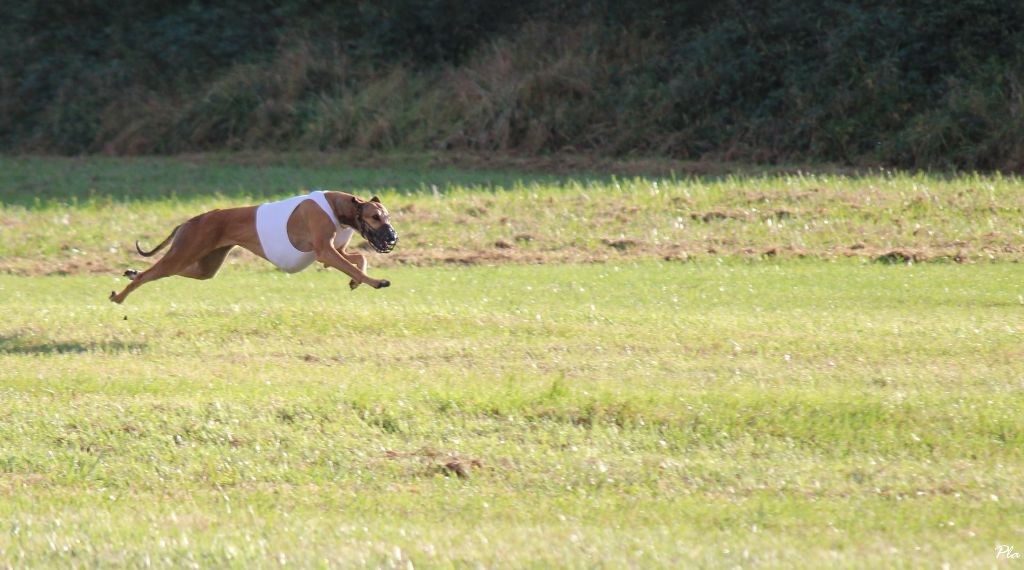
(374, 223)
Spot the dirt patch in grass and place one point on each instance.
(504, 252)
(620, 244)
(897, 257)
(715, 216)
(433, 462)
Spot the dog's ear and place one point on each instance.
(375, 199)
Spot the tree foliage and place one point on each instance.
(917, 83)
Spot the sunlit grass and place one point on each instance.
(647, 414)
(735, 406)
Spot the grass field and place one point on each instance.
(798, 409)
(76, 215)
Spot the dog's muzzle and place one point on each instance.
(383, 239)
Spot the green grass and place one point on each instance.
(738, 409)
(801, 413)
(73, 215)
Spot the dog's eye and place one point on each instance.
(376, 217)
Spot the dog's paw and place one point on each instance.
(383, 283)
(352, 284)
(113, 297)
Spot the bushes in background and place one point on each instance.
(922, 83)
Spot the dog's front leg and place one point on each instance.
(341, 241)
(330, 257)
(357, 259)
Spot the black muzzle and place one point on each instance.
(383, 239)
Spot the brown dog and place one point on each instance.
(307, 228)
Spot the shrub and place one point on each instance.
(919, 84)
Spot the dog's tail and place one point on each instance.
(157, 248)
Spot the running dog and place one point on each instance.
(290, 233)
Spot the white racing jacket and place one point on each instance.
(272, 229)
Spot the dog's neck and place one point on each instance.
(345, 209)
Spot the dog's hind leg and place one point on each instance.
(158, 271)
(208, 265)
(189, 247)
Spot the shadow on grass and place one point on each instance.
(17, 344)
(252, 177)
(35, 182)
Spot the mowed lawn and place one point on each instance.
(649, 414)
